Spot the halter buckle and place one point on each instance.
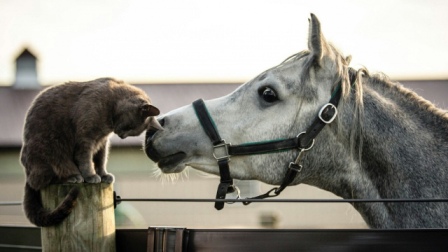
(221, 151)
(327, 107)
(295, 167)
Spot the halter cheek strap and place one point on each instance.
(226, 183)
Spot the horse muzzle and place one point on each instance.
(166, 163)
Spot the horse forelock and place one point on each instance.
(296, 56)
(304, 74)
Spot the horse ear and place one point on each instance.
(317, 44)
(148, 110)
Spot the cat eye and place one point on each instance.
(268, 94)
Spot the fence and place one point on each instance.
(91, 228)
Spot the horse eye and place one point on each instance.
(268, 94)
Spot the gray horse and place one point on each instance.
(386, 141)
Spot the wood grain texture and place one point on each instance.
(90, 226)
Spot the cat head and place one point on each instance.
(134, 115)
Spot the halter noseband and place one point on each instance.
(222, 151)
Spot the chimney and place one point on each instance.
(26, 71)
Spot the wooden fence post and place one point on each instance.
(90, 226)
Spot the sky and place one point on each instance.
(216, 41)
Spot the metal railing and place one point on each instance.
(198, 200)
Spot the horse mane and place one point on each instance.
(438, 117)
(422, 105)
(356, 129)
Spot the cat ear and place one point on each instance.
(148, 110)
(155, 124)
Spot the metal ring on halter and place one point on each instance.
(311, 145)
(238, 193)
(331, 106)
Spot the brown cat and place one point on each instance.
(66, 136)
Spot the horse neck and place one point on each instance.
(402, 149)
(402, 136)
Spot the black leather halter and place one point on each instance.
(222, 151)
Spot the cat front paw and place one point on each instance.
(75, 179)
(108, 178)
(94, 179)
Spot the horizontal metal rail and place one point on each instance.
(13, 247)
(118, 200)
(284, 200)
(11, 203)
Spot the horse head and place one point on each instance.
(279, 103)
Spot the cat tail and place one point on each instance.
(42, 217)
